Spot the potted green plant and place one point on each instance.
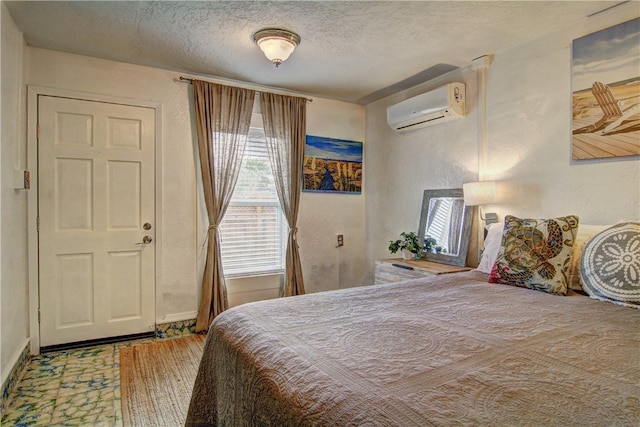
(429, 244)
(408, 244)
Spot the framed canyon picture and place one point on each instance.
(332, 165)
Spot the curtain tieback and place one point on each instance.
(294, 233)
(206, 237)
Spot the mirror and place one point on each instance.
(446, 222)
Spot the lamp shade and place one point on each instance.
(479, 193)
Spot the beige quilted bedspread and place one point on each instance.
(449, 350)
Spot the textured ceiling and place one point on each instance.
(355, 51)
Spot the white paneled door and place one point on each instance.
(96, 208)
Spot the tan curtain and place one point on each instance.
(285, 126)
(223, 116)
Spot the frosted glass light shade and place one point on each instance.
(479, 193)
(277, 45)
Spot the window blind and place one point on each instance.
(253, 228)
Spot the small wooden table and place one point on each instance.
(397, 269)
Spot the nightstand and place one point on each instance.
(397, 269)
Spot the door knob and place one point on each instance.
(146, 226)
(145, 240)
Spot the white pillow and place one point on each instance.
(491, 246)
(609, 265)
(585, 233)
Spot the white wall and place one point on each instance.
(528, 135)
(529, 129)
(400, 166)
(321, 215)
(58, 70)
(14, 310)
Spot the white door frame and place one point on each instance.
(32, 199)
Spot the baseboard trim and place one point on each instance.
(18, 364)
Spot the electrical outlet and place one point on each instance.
(340, 240)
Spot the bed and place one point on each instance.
(445, 350)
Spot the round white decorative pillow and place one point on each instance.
(610, 265)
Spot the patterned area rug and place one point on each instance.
(156, 381)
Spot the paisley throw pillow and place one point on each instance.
(610, 265)
(536, 253)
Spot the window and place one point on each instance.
(253, 229)
(439, 227)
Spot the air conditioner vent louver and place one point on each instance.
(430, 108)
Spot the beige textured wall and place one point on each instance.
(14, 309)
(400, 166)
(527, 149)
(529, 129)
(321, 216)
(52, 69)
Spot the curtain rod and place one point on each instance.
(190, 81)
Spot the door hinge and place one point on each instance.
(38, 225)
(39, 316)
(38, 131)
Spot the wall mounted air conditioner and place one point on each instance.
(430, 108)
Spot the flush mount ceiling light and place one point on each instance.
(276, 44)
